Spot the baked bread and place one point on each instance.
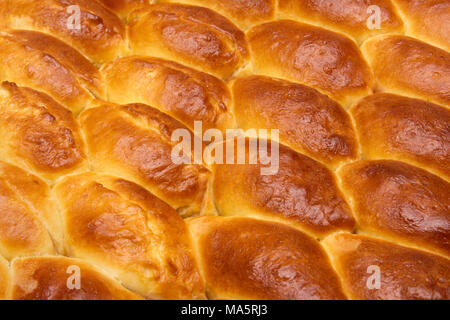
(421, 71)
(243, 258)
(123, 7)
(349, 201)
(315, 56)
(44, 63)
(427, 20)
(406, 129)
(207, 40)
(121, 140)
(4, 278)
(99, 34)
(308, 121)
(346, 16)
(127, 231)
(243, 13)
(49, 276)
(186, 94)
(400, 202)
(30, 222)
(39, 133)
(303, 193)
(407, 274)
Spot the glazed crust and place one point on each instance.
(4, 278)
(427, 20)
(405, 274)
(308, 121)
(47, 64)
(303, 193)
(29, 222)
(50, 276)
(399, 201)
(176, 32)
(243, 13)
(184, 93)
(405, 129)
(39, 133)
(421, 70)
(118, 123)
(311, 55)
(100, 36)
(124, 7)
(352, 17)
(125, 136)
(130, 233)
(244, 258)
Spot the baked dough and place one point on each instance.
(349, 201)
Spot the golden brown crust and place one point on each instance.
(28, 218)
(405, 129)
(407, 66)
(400, 202)
(427, 19)
(38, 133)
(308, 121)
(49, 278)
(244, 258)
(134, 141)
(195, 36)
(48, 64)
(4, 278)
(123, 7)
(101, 35)
(311, 55)
(303, 193)
(244, 13)
(93, 121)
(184, 93)
(348, 16)
(129, 232)
(405, 274)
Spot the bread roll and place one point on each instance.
(403, 273)
(244, 13)
(48, 278)
(46, 64)
(29, 222)
(354, 17)
(131, 234)
(4, 278)
(323, 128)
(186, 94)
(134, 142)
(400, 202)
(84, 24)
(427, 20)
(406, 66)
(311, 55)
(303, 193)
(401, 128)
(308, 121)
(243, 258)
(38, 133)
(196, 36)
(123, 7)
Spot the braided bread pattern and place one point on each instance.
(93, 206)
